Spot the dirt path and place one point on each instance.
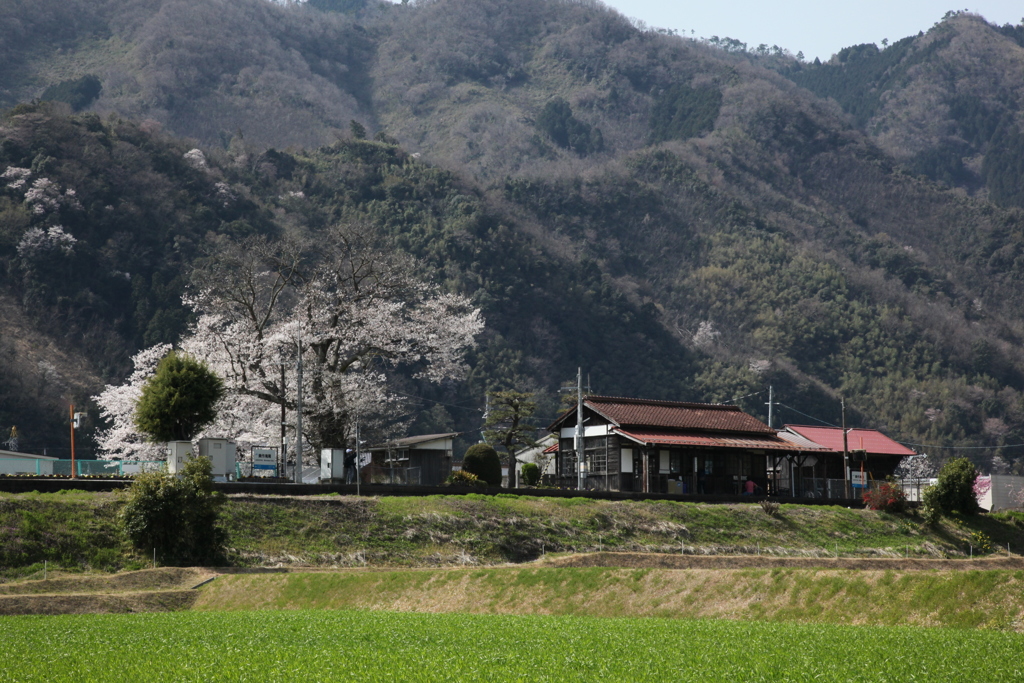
(665, 561)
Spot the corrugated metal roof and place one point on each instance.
(647, 413)
(413, 440)
(870, 440)
(802, 442)
(665, 438)
(553, 448)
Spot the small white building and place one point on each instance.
(1004, 493)
(542, 455)
(221, 452)
(13, 462)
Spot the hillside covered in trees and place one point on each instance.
(680, 220)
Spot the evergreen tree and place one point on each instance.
(506, 425)
(179, 400)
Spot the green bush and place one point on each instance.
(482, 460)
(531, 474)
(954, 491)
(176, 516)
(464, 478)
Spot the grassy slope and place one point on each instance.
(78, 531)
(966, 599)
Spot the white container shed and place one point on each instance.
(221, 453)
(178, 452)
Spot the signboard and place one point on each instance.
(264, 459)
(858, 479)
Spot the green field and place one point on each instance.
(389, 646)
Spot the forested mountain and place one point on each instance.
(682, 221)
(946, 103)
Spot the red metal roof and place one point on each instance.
(870, 440)
(553, 448)
(660, 438)
(646, 413)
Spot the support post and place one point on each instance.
(298, 416)
(358, 456)
(74, 473)
(283, 452)
(579, 429)
(846, 453)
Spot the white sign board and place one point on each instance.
(264, 456)
(857, 478)
(264, 462)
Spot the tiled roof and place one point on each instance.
(635, 412)
(668, 438)
(871, 440)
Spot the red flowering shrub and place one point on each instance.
(889, 497)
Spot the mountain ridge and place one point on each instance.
(768, 241)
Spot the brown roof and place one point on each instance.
(638, 412)
(657, 438)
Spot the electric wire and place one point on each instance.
(909, 443)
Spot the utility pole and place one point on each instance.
(71, 412)
(283, 453)
(358, 456)
(579, 429)
(298, 417)
(771, 407)
(846, 452)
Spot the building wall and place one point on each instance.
(1003, 494)
(669, 469)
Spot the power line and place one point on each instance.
(809, 416)
(440, 403)
(961, 448)
(919, 445)
(739, 398)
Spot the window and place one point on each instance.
(567, 463)
(597, 459)
(626, 466)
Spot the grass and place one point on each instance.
(77, 531)
(989, 599)
(386, 646)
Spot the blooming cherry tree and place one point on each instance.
(121, 440)
(357, 311)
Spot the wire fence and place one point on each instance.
(402, 476)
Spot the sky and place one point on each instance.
(816, 28)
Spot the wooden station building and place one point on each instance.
(654, 446)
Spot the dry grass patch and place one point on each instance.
(984, 599)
